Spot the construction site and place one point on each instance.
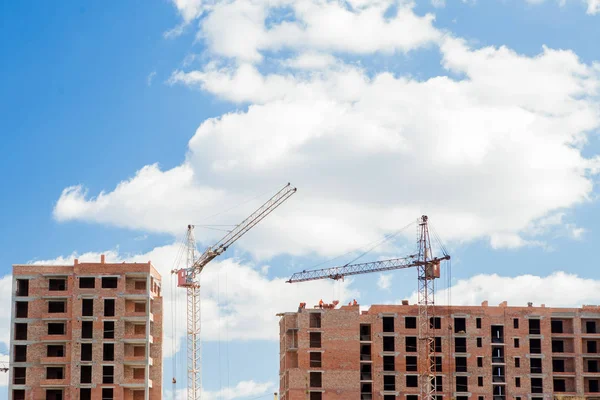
(94, 331)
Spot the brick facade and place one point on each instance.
(484, 353)
(86, 331)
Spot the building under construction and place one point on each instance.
(86, 331)
(481, 353)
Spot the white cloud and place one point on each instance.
(490, 154)
(384, 281)
(593, 6)
(237, 298)
(359, 27)
(559, 289)
(150, 78)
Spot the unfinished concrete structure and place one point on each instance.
(482, 353)
(88, 331)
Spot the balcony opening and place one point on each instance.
(460, 325)
(556, 326)
(435, 323)
(389, 343)
(20, 353)
(365, 332)
(558, 365)
(410, 322)
(87, 283)
(109, 330)
(535, 365)
(590, 326)
(412, 381)
(55, 373)
(319, 396)
(498, 374)
(54, 394)
(108, 352)
(86, 352)
(56, 328)
(139, 307)
(497, 334)
(109, 307)
(109, 282)
(365, 352)
(537, 385)
(535, 346)
(497, 354)
(140, 285)
(55, 350)
(558, 346)
(411, 364)
(461, 364)
(55, 307)
(559, 385)
(140, 351)
(87, 329)
(20, 331)
(19, 375)
(86, 374)
(316, 359)
(18, 394)
(21, 309)
(366, 391)
(108, 372)
(316, 379)
(592, 346)
(107, 394)
(462, 384)
(87, 307)
(411, 344)
(389, 363)
(389, 383)
(516, 323)
(85, 394)
(57, 284)
(315, 339)
(314, 318)
(478, 323)
(460, 345)
(534, 326)
(388, 324)
(592, 366)
(22, 287)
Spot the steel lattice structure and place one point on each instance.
(428, 268)
(189, 278)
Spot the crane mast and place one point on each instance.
(428, 268)
(189, 278)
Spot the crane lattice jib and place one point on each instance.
(240, 230)
(337, 273)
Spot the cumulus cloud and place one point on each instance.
(384, 281)
(487, 150)
(237, 298)
(593, 6)
(559, 289)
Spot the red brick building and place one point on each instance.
(88, 331)
(482, 353)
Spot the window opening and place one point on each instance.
(87, 283)
(108, 374)
(365, 332)
(109, 330)
(315, 359)
(19, 375)
(388, 324)
(87, 307)
(57, 307)
(55, 373)
(389, 363)
(534, 326)
(109, 282)
(20, 353)
(109, 307)
(314, 319)
(411, 344)
(388, 343)
(108, 352)
(22, 287)
(315, 339)
(389, 383)
(20, 331)
(57, 285)
(87, 329)
(86, 352)
(460, 325)
(22, 308)
(86, 374)
(56, 328)
(410, 322)
(411, 363)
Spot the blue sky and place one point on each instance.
(484, 115)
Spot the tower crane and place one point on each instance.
(428, 268)
(188, 278)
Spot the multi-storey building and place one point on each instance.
(87, 331)
(482, 353)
